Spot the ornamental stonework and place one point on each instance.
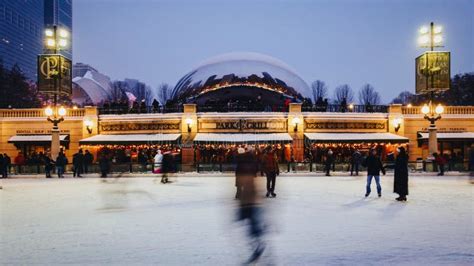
(345, 125)
(140, 126)
(244, 125)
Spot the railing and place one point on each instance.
(119, 110)
(337, 108)
(120, 168)
(255, 107)
(37, 112)
(450, 110)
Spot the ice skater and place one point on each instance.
(250, 209)
(400, 180)
(270, 167)
(374, 166)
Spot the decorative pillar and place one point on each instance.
(296, 130)
(189, 130)
(55, 143)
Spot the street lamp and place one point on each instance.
(55, 115)
(295, 122)
(56, 39)
(189, 121)
(432, 114)
(397, 122)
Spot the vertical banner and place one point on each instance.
(54, 74)
(433, 72)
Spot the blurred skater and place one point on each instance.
(440, 161)
(104, 165)
(329, 162)
(167, 166)
(250, 210)
(61, 162)
(48, 164)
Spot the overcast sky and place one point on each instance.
(353, 42)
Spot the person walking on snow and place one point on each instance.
(374, 166)
(270, 167)
(400, 181)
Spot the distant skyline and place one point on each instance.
(339, 42)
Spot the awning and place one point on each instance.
(453, 136)
(242, 138)
(36, 139)
(129, 139)
(355, 137)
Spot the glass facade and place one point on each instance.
(21, 34)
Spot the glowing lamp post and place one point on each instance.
(55, 115)
(432, 114)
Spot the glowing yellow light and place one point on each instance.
(63, 33)
(424, 30)
(74, 107)
(438, 39)
(49, 33)
(439, 109)
(189, 121)
(438, 29)
(425, 109)
(62, 111)
(88, 123)
(296, 120)
(63, 42)
(48, 111)
(423, 40)
(397, 121)
(409, 105)
(50, 42)
(351, 106)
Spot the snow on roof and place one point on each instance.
(237, 137)
(34, 138)
(448, 135)
(129, 138)
(354, 137)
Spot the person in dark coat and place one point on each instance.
(78, 164)
(270, 167)
(374, 166)
(2, 166)
(104, 165)
(329, 162)
(88, 160)
(61, 162)
(400, 181)
(167, 166)
(8, 163)
(355, 162)
(48, 164)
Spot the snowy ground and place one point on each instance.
(313, 221)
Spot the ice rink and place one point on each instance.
(314, 220)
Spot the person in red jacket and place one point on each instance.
(440, 161)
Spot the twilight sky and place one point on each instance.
(340, 41)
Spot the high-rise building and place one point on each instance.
(21, 34)
(59, 13)
(22, 24)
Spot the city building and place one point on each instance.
(21, 34)
(22, 25)
(89, 86)
(240, 100)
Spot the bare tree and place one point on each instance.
(343, 92)
(368, 95)
(118, 91)
(163, 93)
(319, 89)
(405, 97)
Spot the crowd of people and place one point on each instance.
(226, 153)
(136, 107)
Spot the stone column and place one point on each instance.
(55, 144)
(296, 130)
(432, 141)
(188, 132)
